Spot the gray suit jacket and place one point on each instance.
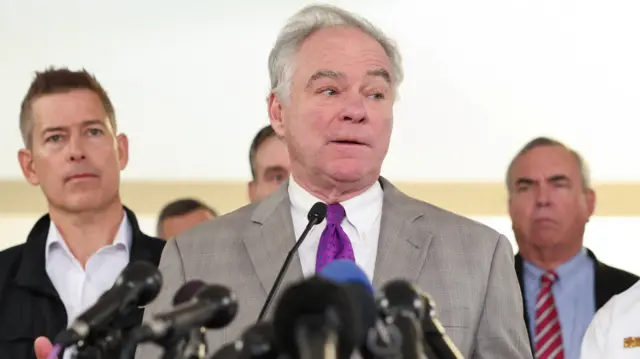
(466, 267)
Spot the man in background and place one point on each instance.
(74, 253)
(563, 284)
(269, 161)
(182, 214)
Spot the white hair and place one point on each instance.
(307, 21)
(585, 174)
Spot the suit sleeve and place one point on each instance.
(501, 331)
(594, 342)
(173, 277)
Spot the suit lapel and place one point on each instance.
(519, 264)
(270, 238)
(601, 282)
(402, 248)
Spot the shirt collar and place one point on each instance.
(361, 211)
(563, 270)
(123, 237)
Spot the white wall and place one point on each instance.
(482, 78)
(189, 80)
(612, 239)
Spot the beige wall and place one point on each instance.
(473, 199)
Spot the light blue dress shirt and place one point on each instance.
(574, 295)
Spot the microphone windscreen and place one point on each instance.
(187, 291)
(400, 294)
(228, 351)
(355, 281)
(227, 304)
(258, 341)
(316, 297)
(317, 212)
(346, 271)
(144, 276)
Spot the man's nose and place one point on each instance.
(354, 111)
(543, 198)
(76, 149)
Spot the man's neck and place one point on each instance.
(85, 233)
(332, 191)
(550, 258)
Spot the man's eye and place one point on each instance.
(54, 138)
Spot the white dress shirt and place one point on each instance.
(78, 287)
(361, 224)
(615, 324)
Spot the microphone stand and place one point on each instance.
(196, 347)
(86, 352)
(98, 346)
(172, 354)
(316, 214)
(173, 351)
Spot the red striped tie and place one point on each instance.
(548, 340)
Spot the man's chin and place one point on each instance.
(88, 201)
(350, 172)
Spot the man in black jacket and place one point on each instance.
(75, 252)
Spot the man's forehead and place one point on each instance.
(272, 149)
(53, 121)
(342, 51)
(543, 163)
(69, 108)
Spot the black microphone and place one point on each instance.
(212, 306)
(402, 308)
(196, 345)
(137, 285)
(436, 343)
(187, 292)
(316, 319)
(256, 342)
(434, 333)
(315, 216)
(378, 339)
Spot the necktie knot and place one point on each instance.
(549, 278)
(335, 213)
(334, 242)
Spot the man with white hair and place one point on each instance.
(334, 80)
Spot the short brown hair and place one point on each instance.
(59, 80)
(550, 142)
(180, 207)
(264, 134)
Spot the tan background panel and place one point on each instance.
(472, 199)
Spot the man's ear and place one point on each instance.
(590, 196)
(275, 115)
(25, 159)
(251, 189)
(123, 150)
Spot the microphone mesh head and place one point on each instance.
(316, 297)
(356, 283)
(317, 212)
(259, 342)
(187, 291)
(228, 305)
(145, 277)
(346, 271)
(402, 295)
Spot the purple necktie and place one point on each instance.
(334, 243)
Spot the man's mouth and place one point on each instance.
(81, 176)
(348, 142)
